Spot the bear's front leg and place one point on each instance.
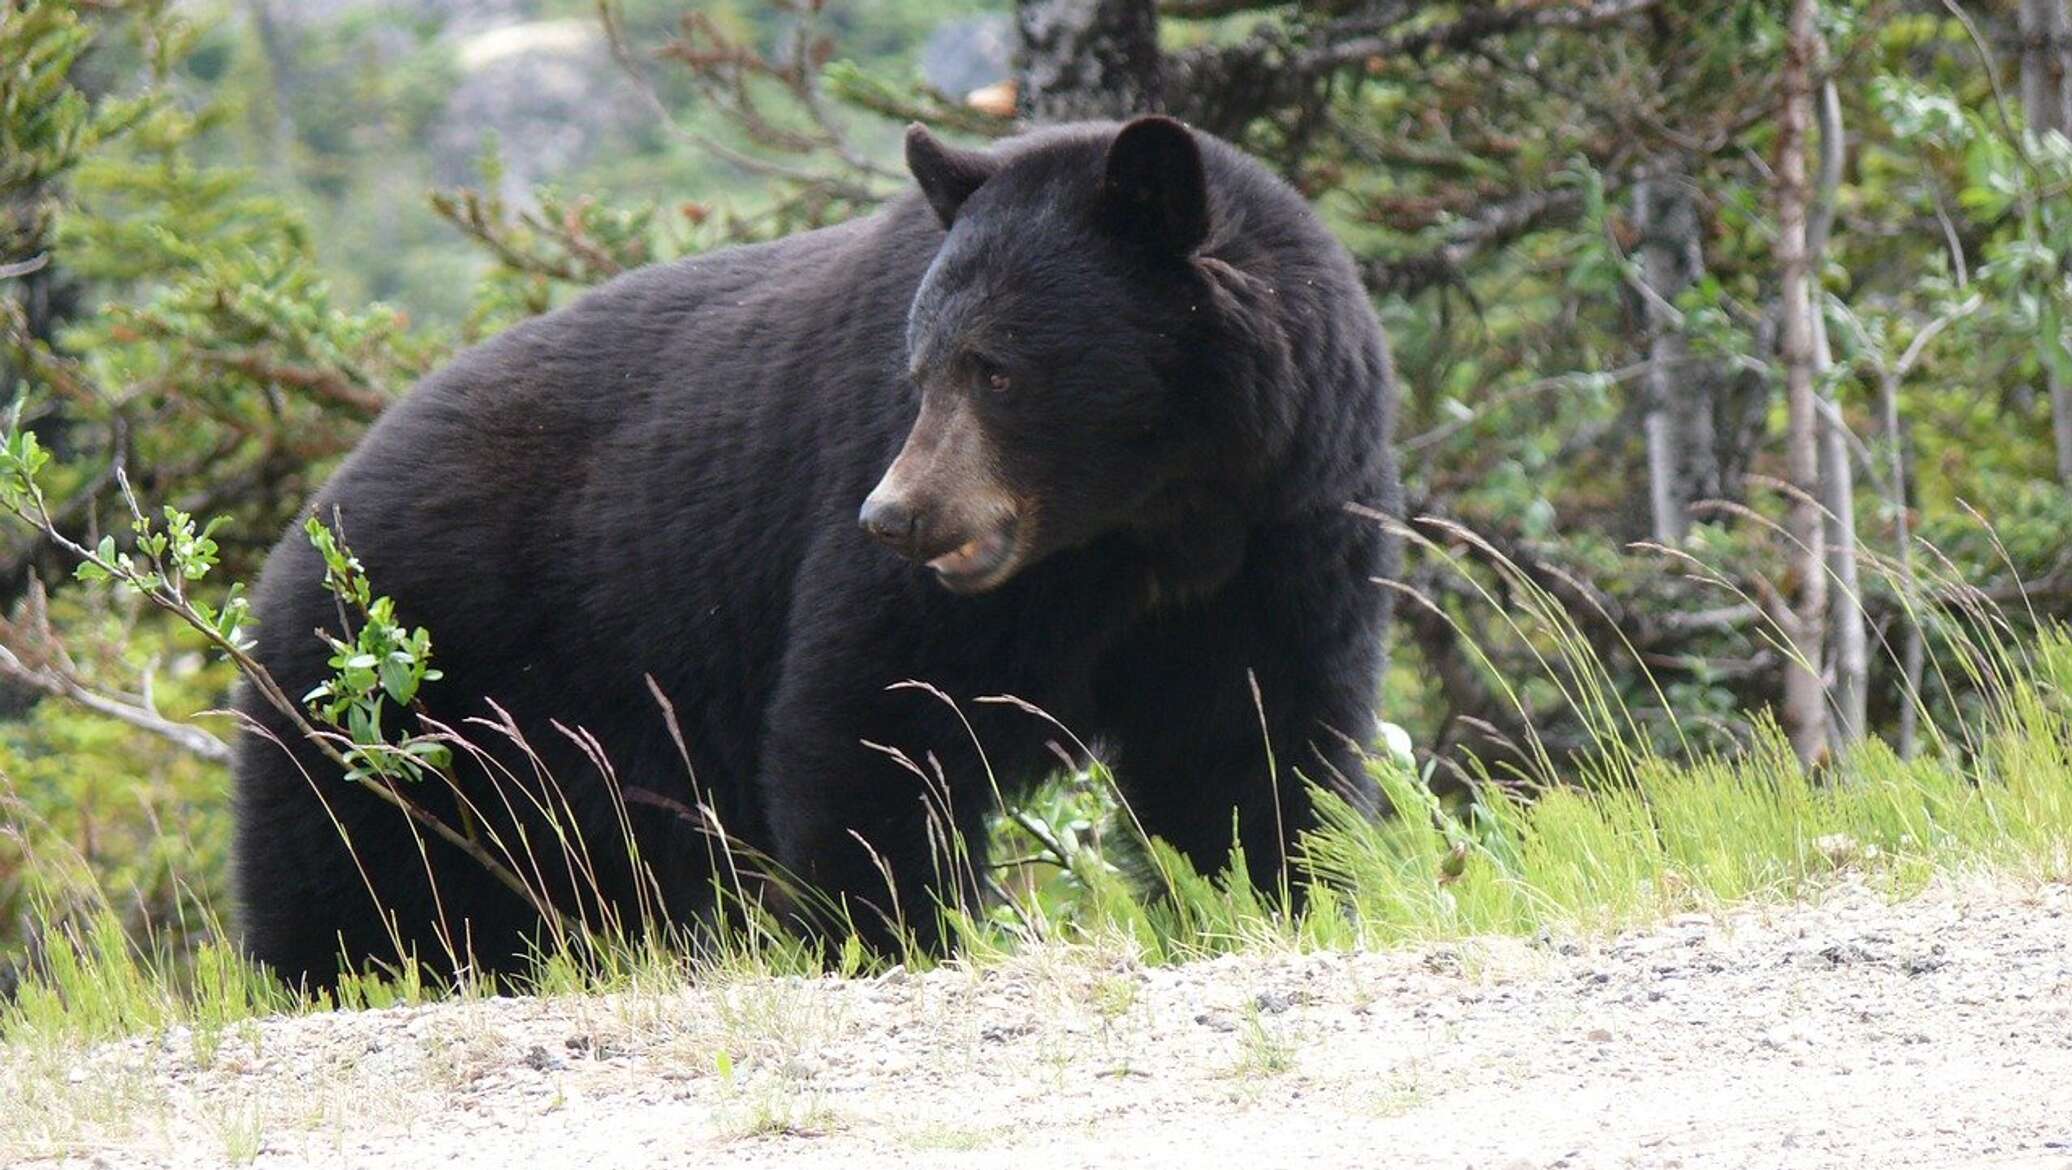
(876, 804)
(1226, 709)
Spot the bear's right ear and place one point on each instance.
(947, 175)
(1155, 190)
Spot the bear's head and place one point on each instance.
(1062, 344)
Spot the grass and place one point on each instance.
(50, 1102)
(1266, 1048)
(1404, 1091)
(242, 1134)
(959, 1139)
(769, 1102)
(1649, 838)
(1666, 838)
(93, 982)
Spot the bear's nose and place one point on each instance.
(890, 520)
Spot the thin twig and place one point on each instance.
(14, 268)
(51, 680)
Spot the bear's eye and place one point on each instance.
(992, 376)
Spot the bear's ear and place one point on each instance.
(1155, 191)
(947, 175)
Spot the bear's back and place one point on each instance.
(627, 474)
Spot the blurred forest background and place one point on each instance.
(1737, 327)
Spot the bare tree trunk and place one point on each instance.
(1683, 460)
(2060, 63)
(1087, 59)
(2034, 23)
(2061, 417)
(1802, 612)
(1846, 621)
(1668, 519)
(1912, 654)
(2046, 32)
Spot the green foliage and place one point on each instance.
(2011, 189)
(161, 562)
(383, 663)
(47, 126)
(1723, 829)
(218, 374)
(544, 253)
(219, 364)
(96, 815)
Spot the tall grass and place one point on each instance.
(1620, 837)
(1674, 837)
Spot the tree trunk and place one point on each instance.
(1912, 649)
(1683, 461)
(1846, 620)
(1802, 610)
(2060, 62)
(1087, 59)
(2046, 32)
(2061, 418)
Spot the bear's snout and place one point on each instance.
(891, 521)
(941, 503)
(971, 548)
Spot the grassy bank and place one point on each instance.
(1645, 838)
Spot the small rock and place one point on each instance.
(1790, 1039)
(1273, 1003)
(1845, 953)
(1934, 960)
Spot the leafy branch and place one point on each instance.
(381, 663)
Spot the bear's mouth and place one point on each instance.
(979, 563)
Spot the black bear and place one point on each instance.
(1077, 422)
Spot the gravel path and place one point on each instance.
(1934, 1033)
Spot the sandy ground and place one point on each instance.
(1935, 1033)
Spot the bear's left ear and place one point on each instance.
(1154, 190)
(946, 174)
